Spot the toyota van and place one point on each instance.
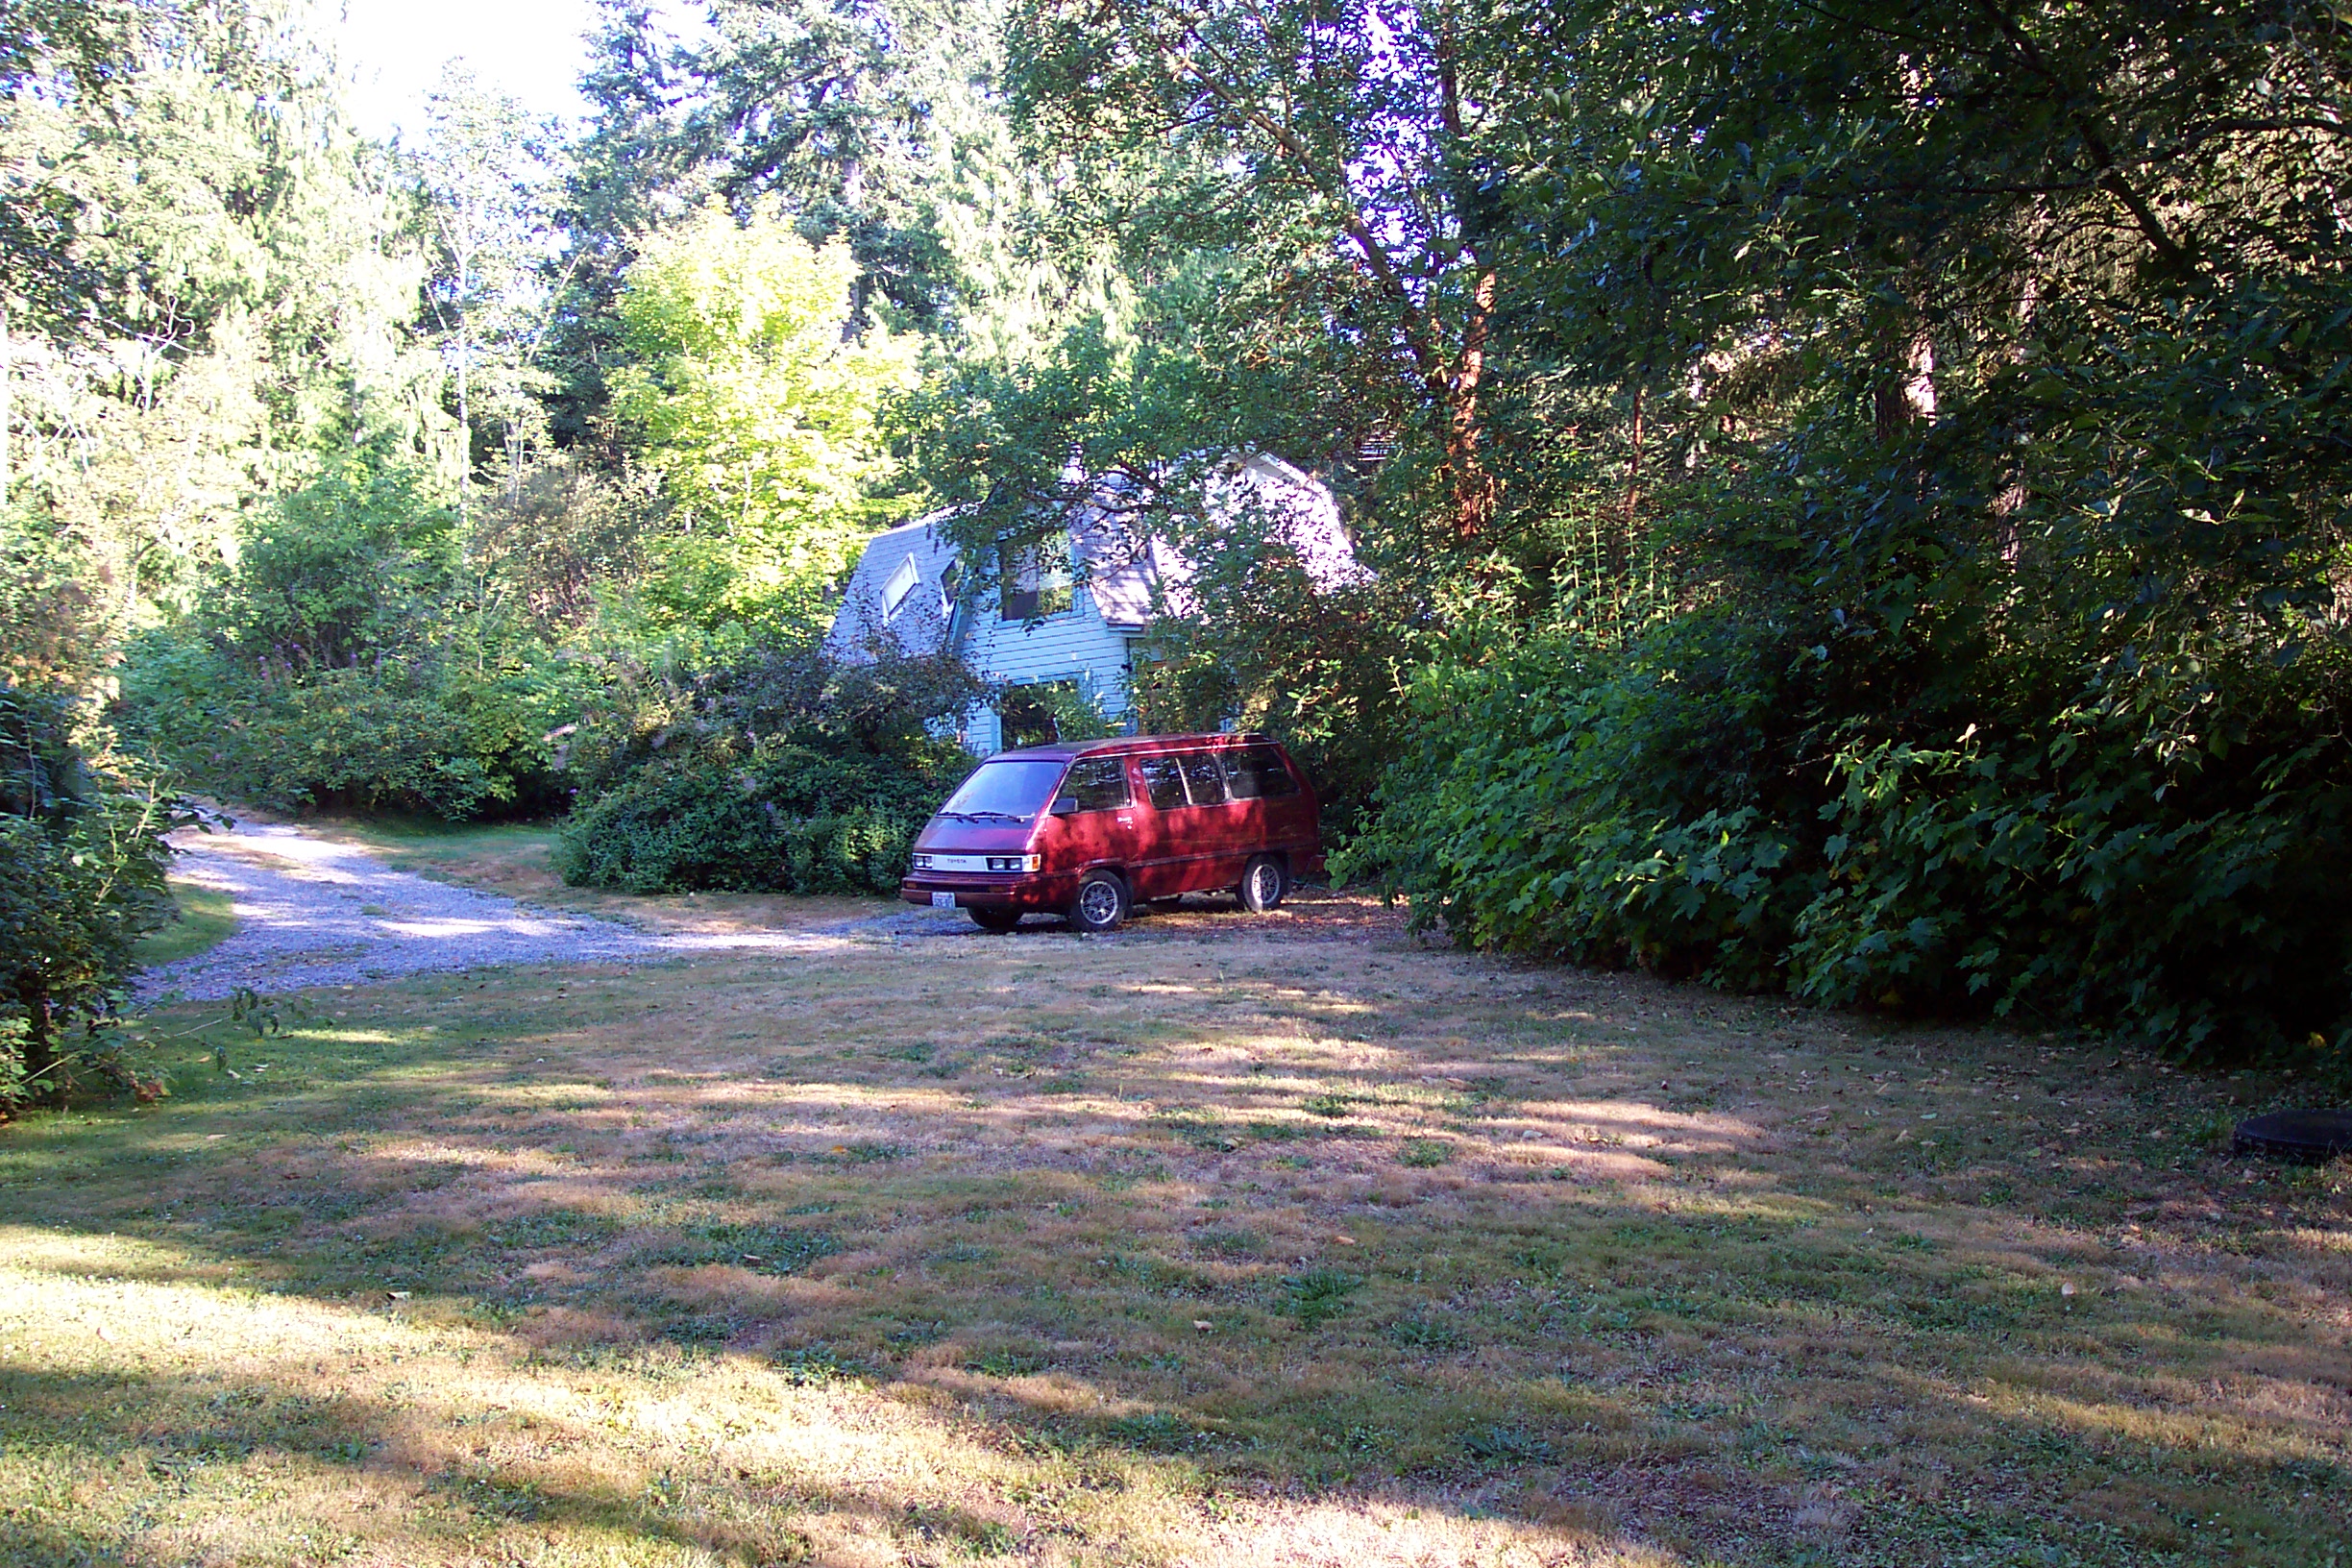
(1086, 830)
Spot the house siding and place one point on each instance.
(1076, 645)
(1121, 589)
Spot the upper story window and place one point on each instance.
(1031, 591)
(901, 583)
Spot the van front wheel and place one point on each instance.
(1263, 882)
(1101, 904)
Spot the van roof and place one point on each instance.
(1124, 744)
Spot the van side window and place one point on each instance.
(1204, 779)
(1164, 782)
(1256, 773)
(1099, 783)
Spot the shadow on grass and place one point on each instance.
(1172, 1229)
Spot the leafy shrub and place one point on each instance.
(783, 819)
(1682, 807)
(787, 772)
(400, 734)
(348, 661)
(81, 858)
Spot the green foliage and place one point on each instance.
(52, 627)
(757, 415)
(81, 858)
(781, 819)
(1672, 807)
(345, 662)
(1984, 367)
(787, 773)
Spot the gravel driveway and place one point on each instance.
(311, 913)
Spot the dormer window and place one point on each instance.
(951, 580)
(1030, 592)
(901, 583)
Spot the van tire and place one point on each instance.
(1101, 904)
(1264, 880)
(995, 921)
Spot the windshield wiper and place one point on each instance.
(974, 815)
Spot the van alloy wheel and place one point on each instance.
(1263, 882)
(1102, 902)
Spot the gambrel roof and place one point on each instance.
(903, 589)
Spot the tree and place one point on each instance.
(237, 291)
(1342, 152)
(634, 169)
(81, 857)
(756, 405)
(849, 112)
(483, 178)
(1986, 359)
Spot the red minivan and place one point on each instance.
(1088, 829)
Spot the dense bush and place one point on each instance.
(1693, 804)
(765, 772)
(81, 858)
(779, 818)
(353, 659)
(409, 734)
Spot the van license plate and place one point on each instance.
(943, 901)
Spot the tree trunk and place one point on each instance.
(40, 1056)
(1473, 489)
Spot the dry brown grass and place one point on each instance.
(903, 1253)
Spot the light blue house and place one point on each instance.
(1054, 635)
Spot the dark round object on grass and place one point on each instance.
(2310, 1136)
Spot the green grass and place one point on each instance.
(205, 922)
(1048, 1250)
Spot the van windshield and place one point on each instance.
(1015, 791)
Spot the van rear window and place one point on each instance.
(1256, 773)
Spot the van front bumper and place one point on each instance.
(974, 890)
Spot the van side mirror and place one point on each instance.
(1065, 806)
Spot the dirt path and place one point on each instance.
(314, 913)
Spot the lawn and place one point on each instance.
(205, 922)
(1225, 1242)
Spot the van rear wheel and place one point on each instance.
(1263, 883)
(1101, 903)
(997, 920)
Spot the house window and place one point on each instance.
(1027, 717)
(901, 583)
(1031, 592)
(951, 579)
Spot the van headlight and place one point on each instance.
(923, 863)
(1014, 863)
